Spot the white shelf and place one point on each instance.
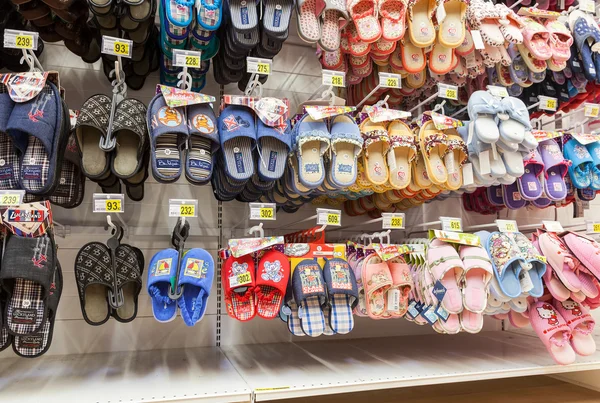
(284, 370)
(177, 375)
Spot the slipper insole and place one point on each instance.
(471, 322)
(327, 314)
(308, 24)
(341, 319)
(167, 155)
(277, 15)
(400, 176)
(238, 158)
(311, 162)
(243, 14)
(274, 157)
(435, 167)
(511, 131)
(490, 32)
(583, 344)
(454, 169)
(25, 309)
(440, 60)
(376, 168)
(311, 317)
(562, 354)
(199, 158)
(475, 291)
(95, 303)
(141, 11)
(11, 166)
(421, 29)
(452, 28)
(529, 185)
(413, 57)
(330, 37)
(293, 322)
(421, 177)
(129, 308)
(344, 164)
(126, 154)
(555, 184)
(452, 301)
(557, 288)
(269, 307)
(509, 283)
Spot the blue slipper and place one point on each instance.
(210, 14)
(202, 143)
(594, 150)
(195, 280)
(160, 277)
(583, 34)
(580, 170)
(168, 133)
(9, 172)
(238, 137)
(506, 260)
(175, 18)
(274, 145)
(310, 294)
(483, 108)
(311, 141)
(513, 130)
(346, 145)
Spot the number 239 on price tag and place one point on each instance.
(14, 39)
(11, 197)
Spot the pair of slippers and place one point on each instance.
(251, 291)
(31, 279)
(320, 301)
(584, 170)
(192, 279)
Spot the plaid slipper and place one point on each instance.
(28, 269)
(343, 294)
(94, 276)
(129, 265)
(10, 164)
(310, 295)
(272, 278)
(35, 344)
(92, 125)
(131, 133)
(71, 185)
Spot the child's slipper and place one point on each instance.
(393, 19)
(237, 133)
(506, 260)
(272, 278)
(293, 320)
(532, 257)
(309, 29)
(556, 169)
(477, 275)
(131, 134)
(346, 144)
(554, 332)
(377, 279)
(364, 15)
(161, 273)
(195, 281)
(310, 295)
(311, 141)
(421, 30)
(376, 145)
(440, 58)
(560, 40)
(243, 15)
(585, 35)
(238, 278)
(433, 146)
(274, 145)
(535, 39)
(485, 18)
(594, 150)
(581, 167)
(511, 24)
(512, 130)
(585, 249)
(202, 143)
(582, 325)
(333, 19)
(452, 28)
(209, 14)
(447, 268)
(401, 155)
(343, 295)
(483, 108)
(519, 72)
(562, 261)
(530, 184)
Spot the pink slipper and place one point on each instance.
(553, 331)
(376, 281)
(446, 267)
(393, 19)
(450, 325)
(586, 250)
(560, 258)
(402, 284)
(477, 275)
(582, 325)
(560, 40)
(551, 280)
(485, 18)
(518, 319)
(535, 38)
(361, 308)
(364, 14)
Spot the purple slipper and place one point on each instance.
(512, 197)
(556, 169)
(519, 72)
(530, 184)
(494, 195)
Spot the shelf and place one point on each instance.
(284, 370)
(178, 375)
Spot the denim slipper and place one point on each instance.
(274, 145)
(594, 150)
(10, 164)
(311, 141)
(238, 137)
(346, 145)
(584, 34)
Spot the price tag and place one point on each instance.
(116, 46)
(507, 225)
(592, 227)
(187, 58)
(453, 224)
(240, 279)
(108, 202)
(589, 6)
(548, 103)
(477, 39)
(183, 208)
(263, 211)
(553, 226)
(329, 217)
(14, 39)
(11, 197)
(448, 91)
(497, 91)
(334, 78)
(393, 220)
(389, 80)
(591, 110)
(258, 65)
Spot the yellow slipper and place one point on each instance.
(402, 153)
(433, 148)
(455, 159)
(376, 145)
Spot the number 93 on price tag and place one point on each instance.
(113, 205)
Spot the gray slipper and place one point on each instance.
(276, 16)
(243, 14)
(245, 40)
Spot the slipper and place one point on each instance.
(535, 39)
(273, 277)
(364, 15)
(518, 320)
(585, 37)
(581, 323)
(511, 24)
(274, 145)
(506, 260)
(512, 130)
(238, 278)
(483, 108)
(309, 29)
(342, 293)
(585, 249)
(562, 261)
(243, 15)
(130, 132)
(195, 281)
(556, 169)
(36, 344)
(477, 275)
(376, 145)
(530, 184)
(27, 282)
(581, 167)
(311, 141)
(532, 257)
(39, 129)
(377, 279)
(293, 321)
(554, 332)
(433, 146)
(452, 29)
(594, 150)
(334, 17)
(447, 268)
(237, 134)
(421, 30)
(393, 19)
(209, 14)
(310, 295)
(519, 72)
(361, 308)
(202, 144)
(71, 185)
(346, 144)
(402, 285)
(168, 133)
(455, 159)
(401, 154)
(440, 58)
(560, 40)
(413, 57)
(161, 273)
(11, 164)
(129, 266)
(486, 19)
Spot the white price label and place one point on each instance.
(116, 46)
(183, 208)
(497, 91)
(14, 39)
(11, 197)
(453, 224)
(187, 58)
(390, 80)
(263, 211)
(329, 217)
(448, 91)
(591, 110)
(548, 103)
(553, 226)
(108, 202)
(334, 78)
(477, 39)
(393, 220)
(259, 66)
(507, 225)
(589, 6)
(593, 227)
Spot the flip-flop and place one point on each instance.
(401, 154)
(243, 15)
(447, 268)
(553, 331)
(581, 167)
(346, 144)
(342, 294)
(274, 145)
(530, 184)
(433, 146)
(237, 134)
(506, 260)
(377, 279)
(311, 141)
(309, 29)
(556, 169)
(239, 281)
(195, 281)
(310, 295)
(421, 30)
(161, 274)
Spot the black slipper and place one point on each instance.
(130, 266)
(92, 125)
(69, 192)
(94, 276)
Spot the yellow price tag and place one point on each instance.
(266, 213)
(391, 82)
(596, 227)
(112, 205)
(121, 48)
(24, 41)
(396, 222)
(192, 61)
(541, 258)
(187, 210)
(263, 68)
(9, 199)
(244, 278)
(592, 111)
(510, 227)
(451, 93)
(455, 225)
(337, 81)
(551, 104)
(333, 219)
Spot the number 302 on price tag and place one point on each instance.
(183, 208)
(263, 211)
